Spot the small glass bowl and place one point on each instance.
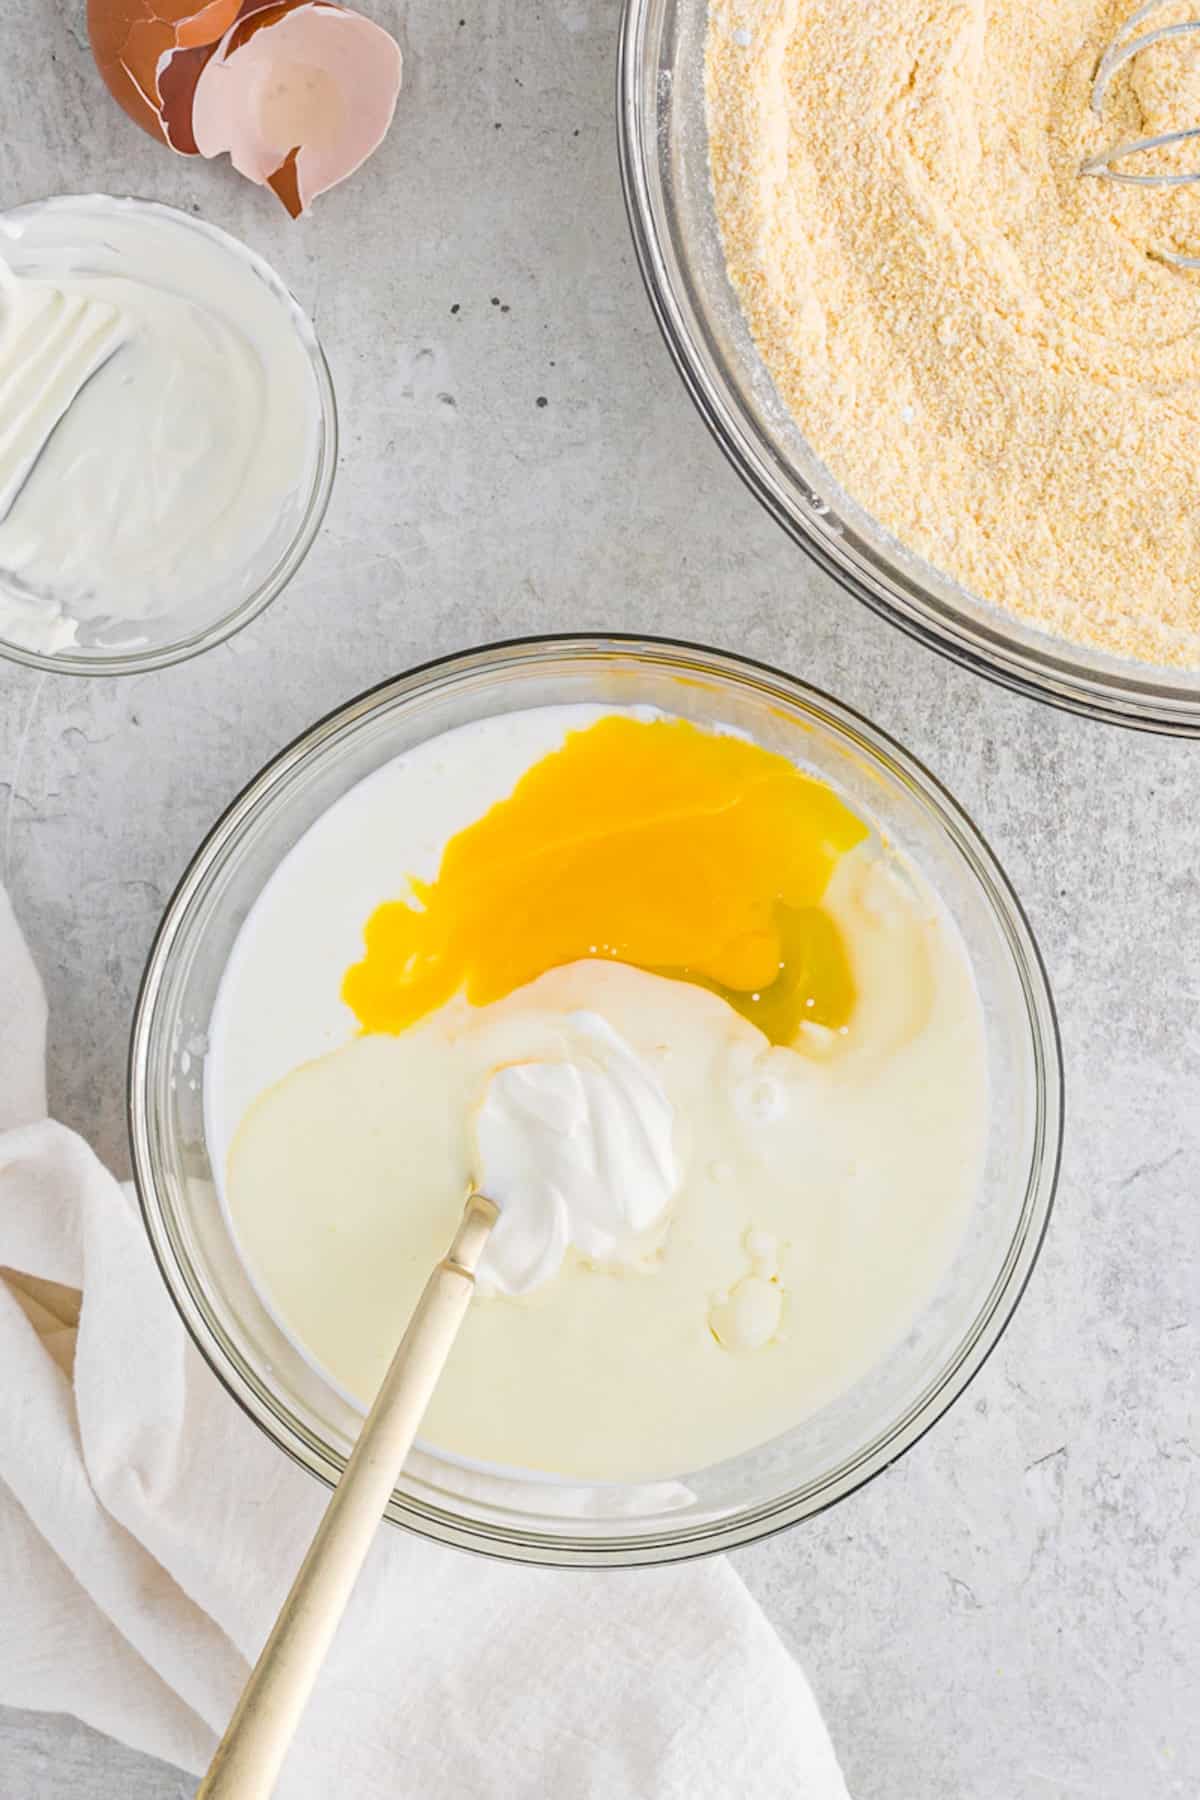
(32, 239)
(663, 147)
(535, 1519)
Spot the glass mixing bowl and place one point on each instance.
(33, 240)
(663, 145)
(533, 1518)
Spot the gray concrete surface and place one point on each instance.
(1012, 1612)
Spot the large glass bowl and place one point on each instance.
(33, 240)
(663, 145)
(535, 1519)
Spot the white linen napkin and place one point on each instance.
(148, 1533)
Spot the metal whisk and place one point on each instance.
(1127, 43)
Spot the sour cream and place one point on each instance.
(168, 479)
(577, 1152)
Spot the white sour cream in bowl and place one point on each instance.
(169, 434)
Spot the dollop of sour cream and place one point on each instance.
(578, 1153)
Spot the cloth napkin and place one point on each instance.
(148, 1533)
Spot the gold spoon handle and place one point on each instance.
(250, 1754)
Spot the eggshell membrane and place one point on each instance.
(299, 94)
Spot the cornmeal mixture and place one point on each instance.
(987, 351)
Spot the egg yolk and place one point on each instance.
(684, 852)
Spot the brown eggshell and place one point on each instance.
(134, 41)
(284, 183)
(298, 93)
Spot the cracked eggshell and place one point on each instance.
(299, 92)
(150, 53)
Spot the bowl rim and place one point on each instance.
(1057, 673)
(763, 1519)
(206, 637)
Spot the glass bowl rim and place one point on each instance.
(1058, 674)
(761, 1519)
(219, 631)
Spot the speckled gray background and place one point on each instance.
(1012, 1612)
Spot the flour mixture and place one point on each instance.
(988, 352)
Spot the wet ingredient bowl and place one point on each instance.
(168, 594)
(537, 1519)
(663, 147)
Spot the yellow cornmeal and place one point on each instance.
(981, 346)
